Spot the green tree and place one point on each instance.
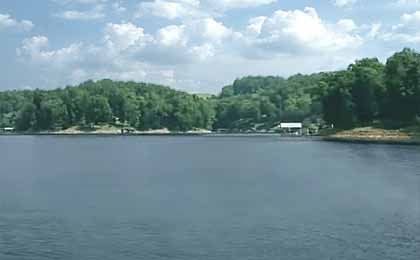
(402, 78)
(367, 88)
(52, 113)
(26, 118)
(337, 103)
(339, 108)
(98, 110)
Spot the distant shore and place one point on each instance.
(367, 135)
(157, 133)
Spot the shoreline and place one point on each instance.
(372, 135)
(153, 134)
(370, 141)
(326, 138)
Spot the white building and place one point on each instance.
(292, 128)
(8, 129)
(291, 125)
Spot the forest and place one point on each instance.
(367, 93)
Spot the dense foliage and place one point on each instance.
(261, 102)
(367, 92)
(143, 106)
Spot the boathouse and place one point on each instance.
(292, 128)
(8, 129)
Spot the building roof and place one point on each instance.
(291, 125)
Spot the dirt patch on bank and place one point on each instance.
(369, 133)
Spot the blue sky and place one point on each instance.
(194, 45)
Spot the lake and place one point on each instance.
(206, 198)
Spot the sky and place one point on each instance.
(194, 45)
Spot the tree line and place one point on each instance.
(138, 105)
(367, 92)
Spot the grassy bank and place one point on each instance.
(409, 135)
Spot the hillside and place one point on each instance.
(367, 93)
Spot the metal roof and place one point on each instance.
(291, 125)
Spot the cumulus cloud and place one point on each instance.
(406, 31)
(94, 14)
(347, 25)
(411, 18)
(35, 49)
(172, 35)
(65, 2)
(193, 41)
(210, 29)
(374, 30)
(203, 52)
(292, 32)
(173, 9)
(255, 25)
(89, 1)
(200, 50)
(119, 37)
(127, 52)
(6, 21)
(231, 4)
(79, 62)
(169, 9)
(345, 3)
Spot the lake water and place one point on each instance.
(193, 198)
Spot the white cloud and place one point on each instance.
(375, 30)
(255, 25)
(169, 9)
(211, 30)
(345, 3)
(172, 35)
(411, 17)
(203, 52)
(407, 31)
(126, 53)
(231, 4)
(174, 9)
(94, 14)
(6, 21)
(193, 41)
(35, 49)
(79, 62)
(119, 37)
(89, 1)
(298, 32)
(347, 25)
(65, 2)
(173, 44)
(199, 51)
